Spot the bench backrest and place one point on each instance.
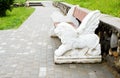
(79, 13)
(89, 21)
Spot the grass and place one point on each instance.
(15, 18)
(111, 7)
(20, 1)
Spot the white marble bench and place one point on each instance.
(79, 43)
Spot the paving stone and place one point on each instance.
(92, 75)
(29, 43)
(2, 51)
(100, 74)
(42, 72)
(50, 47)
(50, 76)
(58, 75)
(14, 65)
(0, 47)
(12, 38)
(72, 66)
(4, 43)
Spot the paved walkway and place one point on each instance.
(28, 52)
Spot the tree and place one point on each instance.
(4, 6)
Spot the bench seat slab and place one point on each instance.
(82, 59)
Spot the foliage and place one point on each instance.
(20, 1)
(4, 6)
(15, 18)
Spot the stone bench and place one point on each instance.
(65, 53)
(109, 33)
(108, 25)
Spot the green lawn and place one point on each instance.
(111, 7)
(15, 18)
(20, 1)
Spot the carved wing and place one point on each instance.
(89, 23)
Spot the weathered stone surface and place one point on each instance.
(82, 38)
(63, 8)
